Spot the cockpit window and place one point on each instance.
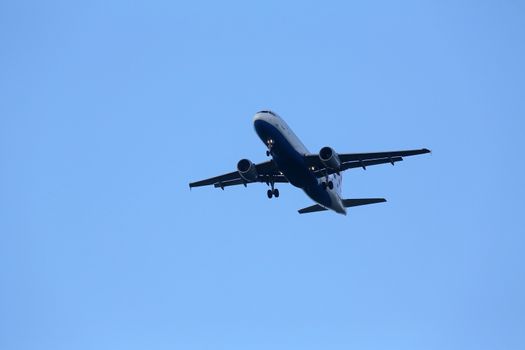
(269, 112)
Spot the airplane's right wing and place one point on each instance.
(266, 172)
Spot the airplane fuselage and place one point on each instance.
(288, 154)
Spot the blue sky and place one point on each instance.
(109, 109)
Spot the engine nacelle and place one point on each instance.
(247, 170)
(329, 158)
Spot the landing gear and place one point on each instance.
(274, 192)
(326, 185)
(269, 144)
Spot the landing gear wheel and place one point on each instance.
(330, 185)
(269, 143)
(276, 193)
(270, 194)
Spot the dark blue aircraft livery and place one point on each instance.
(318, 175)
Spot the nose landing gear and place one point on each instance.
(269, 144)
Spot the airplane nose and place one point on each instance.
(264, 115)
(261, 115)
(257, 116)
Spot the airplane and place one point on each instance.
(319, 175)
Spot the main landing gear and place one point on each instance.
(273, 191)
(328, 184)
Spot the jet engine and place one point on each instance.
(247, 170)
(329, 158)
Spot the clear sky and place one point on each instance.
(109, 108)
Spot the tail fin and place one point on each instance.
(347, 203)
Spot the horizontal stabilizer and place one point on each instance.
(312, 209)
(347, 203)
(361, 201)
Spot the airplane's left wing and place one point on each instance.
(266, 172)
(352, 157)
(361, 160)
